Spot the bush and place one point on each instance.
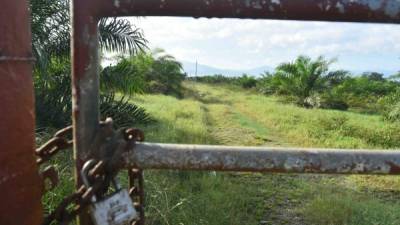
(151, 72)
(331, 101)
(53, 101)
(244, 81)
(393, 114)
(390, 106)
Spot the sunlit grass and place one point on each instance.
(235, 117)
(231, 116)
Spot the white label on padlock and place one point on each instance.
(116, 209)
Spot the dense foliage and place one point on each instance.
(50, 42)
(148, 72)
(310, 83)
(244, 81)
(304, 80)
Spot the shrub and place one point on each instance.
(393, 114)
(246, 81)
(332, 101)
(151, 72)
(390, 105)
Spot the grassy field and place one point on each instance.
(225, 115)
(231, 116)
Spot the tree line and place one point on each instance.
(311, 83)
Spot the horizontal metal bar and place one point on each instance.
(380, 11)
(263, 159)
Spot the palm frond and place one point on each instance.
(123, 112)
(121, 36)
(123, 77)
(50, 30)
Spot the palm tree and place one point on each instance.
(50, 23)
(305, 76)
(148, 71)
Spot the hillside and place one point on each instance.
(190, 69)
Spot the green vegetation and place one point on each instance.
(303, 79)
(145, 72)
(229, 115)
(50, 42)
(244, 81)
(291, 107)
(311, 84)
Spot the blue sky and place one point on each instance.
(244, 44)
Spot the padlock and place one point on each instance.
(114, 209)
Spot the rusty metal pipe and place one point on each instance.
(85, 85)
(85, 82)
(20, 184)
(380, 11)
(263, 159)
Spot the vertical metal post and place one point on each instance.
(85, 84)
(20, 187)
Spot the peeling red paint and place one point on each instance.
(20, 187)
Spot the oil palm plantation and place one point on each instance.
(50, 22)
(305, 77)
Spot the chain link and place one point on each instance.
(59, 142)
(73, 204)
(100, 175)
(136, 191)
(136, 181)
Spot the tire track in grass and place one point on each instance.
(231, 127)
(238, 117)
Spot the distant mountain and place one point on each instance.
(385, 72)
(190, 69)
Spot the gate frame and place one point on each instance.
(85, 57)
(20, 183)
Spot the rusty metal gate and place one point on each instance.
(16, 89)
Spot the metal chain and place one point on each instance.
(73, 204)
(45, 152)
(100, 175)
(59, 142)
(136, 181)
(136, 191)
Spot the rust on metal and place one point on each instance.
(59, 142)
(49, 174)
(20, 189)
(381, 11)
(263, 159)
(136, 191)
(85, 85)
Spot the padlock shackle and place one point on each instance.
(84, 173)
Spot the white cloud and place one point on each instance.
(239, 44)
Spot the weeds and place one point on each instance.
(245, 118)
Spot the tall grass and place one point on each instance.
(232, 116)
(184, 197)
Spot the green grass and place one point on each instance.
(231, 116)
